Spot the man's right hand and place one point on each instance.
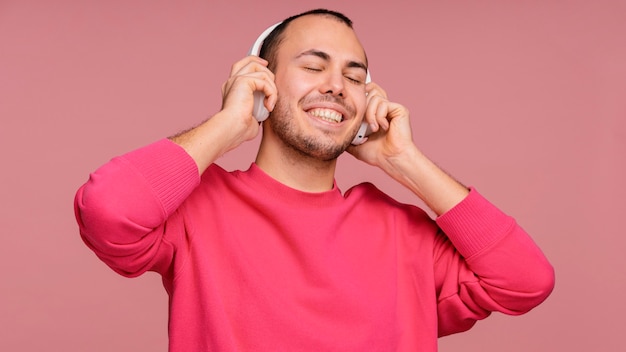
(234, 123)
(252, 73)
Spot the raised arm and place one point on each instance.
(486, 261)
(392, 149)
(234, 124)
(122, 209)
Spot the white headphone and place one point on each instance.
(260, 112)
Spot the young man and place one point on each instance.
(276, 258)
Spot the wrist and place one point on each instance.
(397, 165)
(438, 190)
(213, 138)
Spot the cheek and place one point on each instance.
(290, 86)
(288, 95)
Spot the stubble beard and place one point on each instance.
(322, 149)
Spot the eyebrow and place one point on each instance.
(324, 56)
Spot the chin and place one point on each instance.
(308, 142)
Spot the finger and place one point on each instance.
(251, 74)
(247, 61)
(374, 94)
(376, 113)
(247, 66)
(370, 112)
(373, 89)
(264, 82)
(268, 87)
(239, 89)
(382, 112)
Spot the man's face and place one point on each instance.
(320, 73)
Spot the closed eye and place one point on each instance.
(354, 80)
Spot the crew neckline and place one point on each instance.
(282, 192)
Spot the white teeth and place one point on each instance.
(326, 114)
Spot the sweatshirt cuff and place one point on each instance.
(474, 224)
(168, 170)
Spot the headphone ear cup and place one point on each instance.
(361, 135)
(259, 111)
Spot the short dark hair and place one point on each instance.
(273, 40)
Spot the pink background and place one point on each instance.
(526, 100)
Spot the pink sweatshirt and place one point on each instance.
(252, 265)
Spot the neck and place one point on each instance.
(294, 169)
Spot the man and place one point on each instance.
(276, 258)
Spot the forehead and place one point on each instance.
(324, 33)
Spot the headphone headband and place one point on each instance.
(256, 47)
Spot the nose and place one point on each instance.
(334, 83)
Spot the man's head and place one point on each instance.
(320, 70)
(273, 40)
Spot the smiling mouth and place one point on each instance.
(327, 115)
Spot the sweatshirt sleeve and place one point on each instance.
(486, 262)
(122, 208)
